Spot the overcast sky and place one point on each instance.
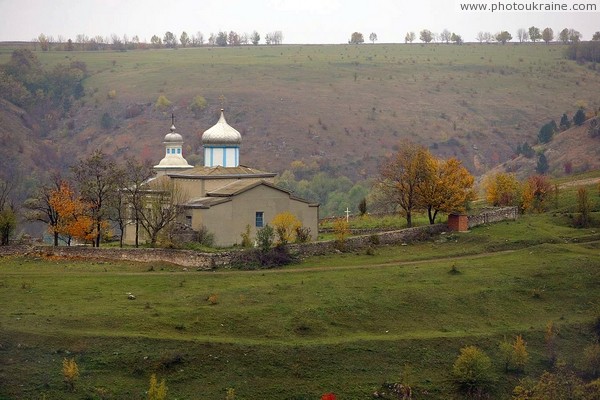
(301, 21)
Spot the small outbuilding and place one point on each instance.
(458, 222)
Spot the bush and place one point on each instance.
(246, 241)
(472, 371)
(70, 373)
(157, 391)
(256, 259)
(302, 234)
(162, 103)
(265, 237)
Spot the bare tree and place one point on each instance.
(95, 176)
(410, 37)
(522, 35)
(373, 37)
(40, 208)
(445, 36)
(161, 205)
(136, 176)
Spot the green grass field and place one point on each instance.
(342, 323)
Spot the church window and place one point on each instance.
(259, 219)
(178, 151)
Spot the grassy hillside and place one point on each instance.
(345, 323)
(342, 106)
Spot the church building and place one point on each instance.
(223, 196)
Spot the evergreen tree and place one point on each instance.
(565, 123)
(579, 117)
(542, 165)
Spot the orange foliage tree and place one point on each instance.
(536, 192)
(74, 221)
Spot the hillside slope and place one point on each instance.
(339, 107)
(570, 151)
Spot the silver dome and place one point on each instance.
(221, 134)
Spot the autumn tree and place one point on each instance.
(356, 38)
(584, 208)
(285, 224)
(70, 372)
(472, 371)
(536, 193)
(547, 35)
(446, 187)
(74, 220)
(95, 178)
(157, 391)
(160, 205)
(502, 189)
(400, 177)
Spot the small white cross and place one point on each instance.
(347, 214)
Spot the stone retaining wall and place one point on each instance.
(207, 261)
(494, 215)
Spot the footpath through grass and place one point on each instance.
(345, 323)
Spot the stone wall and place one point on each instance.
(206, 261)
(494, 215)
(184, 258)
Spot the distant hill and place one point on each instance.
(341, 107)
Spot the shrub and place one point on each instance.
(520, 355)
(157, 391)
(198, 105)
(584, 208)
(285, 224)
(112, 94)
(591, 359)
(70, 372)
(230, 394)
(106, 122)
(362, 206)
(246, 241)
(264, 237)
(302, 234)
(341, 230)
(162, 103)
(213, 299)
(472, 371)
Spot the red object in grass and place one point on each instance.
(328, 396)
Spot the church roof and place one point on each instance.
(219, 172)
(227, 192)
(173, 137)
(221, 134)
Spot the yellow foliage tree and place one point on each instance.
(446, 187)
(520, 355)
(285, 225)
(502, 189)
(70, 372)
(341, 229)
(157, 391)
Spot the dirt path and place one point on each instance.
(581, 182)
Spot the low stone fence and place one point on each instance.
(493, 215)
(185, 258)
(207, 261)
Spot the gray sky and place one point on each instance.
(301, 21)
